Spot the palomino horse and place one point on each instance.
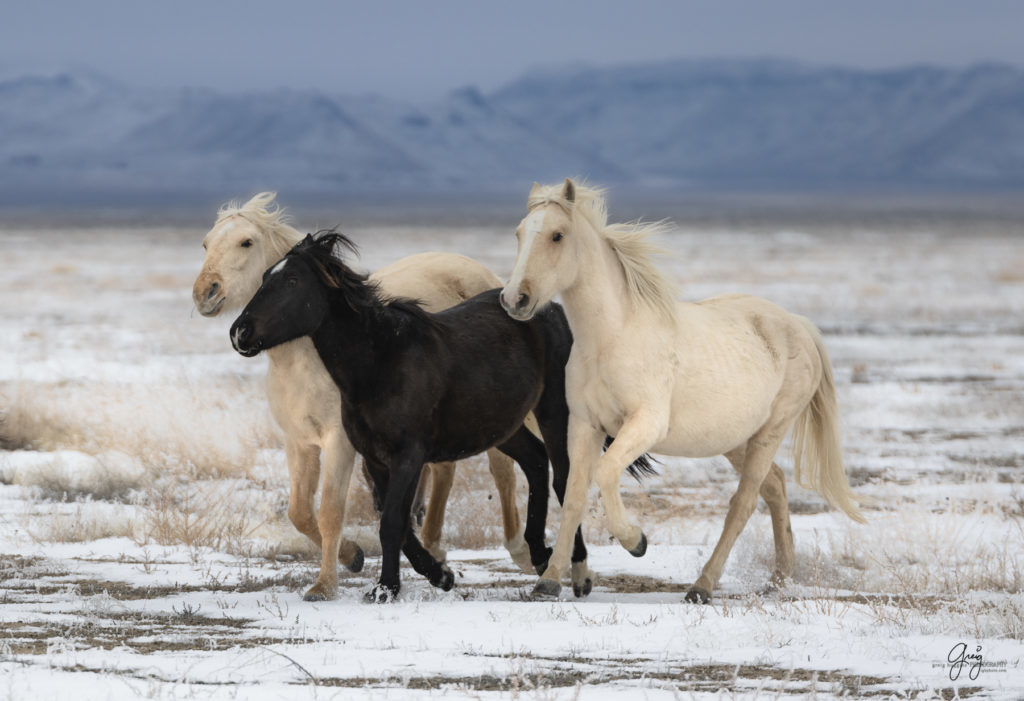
(728, 375)
(419, 387)
(243, 243)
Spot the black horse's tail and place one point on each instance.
(642, 467)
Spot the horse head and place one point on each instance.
(545, 259)
(295, 295)
(243, 242)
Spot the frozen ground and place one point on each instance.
(145, 551)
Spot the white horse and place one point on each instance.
(728, 375)
(245, 241)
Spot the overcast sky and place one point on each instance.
(418, 48)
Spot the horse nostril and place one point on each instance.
(214, 289)
(240, 334)
(523, 300)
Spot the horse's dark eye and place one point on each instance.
(292, 282)
(557, 237)
(247, 243)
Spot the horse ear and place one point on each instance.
(534, 190)
(569, 191)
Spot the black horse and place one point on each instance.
(419, 387)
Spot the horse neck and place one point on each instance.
(345, 343)
(597, 303)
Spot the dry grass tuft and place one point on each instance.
(218, 515)
(213, 431)
(82, 525)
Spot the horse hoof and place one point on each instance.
(546, 589)
(357, 561)
(317, 593)
(696, 595)
(581, 590)
(640, 548)
(445, 579)
(381, 594)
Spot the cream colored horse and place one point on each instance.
(728, 375)
(243, 243)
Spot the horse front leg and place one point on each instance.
(584, 447)
(339, 457)
(639, 432)
(396, 531)
(303, 476)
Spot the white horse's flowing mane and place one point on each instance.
(268, 217)
(630, 241)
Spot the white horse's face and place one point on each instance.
(236, 257)
(546, 261)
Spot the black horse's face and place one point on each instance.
(290, 303)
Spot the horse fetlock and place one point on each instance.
(320, 591)
(541, 559)
(546, 589)
(519, 551)
(582, 579)
(443, 578)
(358, 558)
(382, 593)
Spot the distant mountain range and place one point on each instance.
(769, 125)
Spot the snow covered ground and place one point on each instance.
(145, 549)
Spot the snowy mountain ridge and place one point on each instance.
(715, 124)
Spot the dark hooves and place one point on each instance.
(357, 561)
(640, 548)
(546, 589)
(696, 595)
(381, 594)
(581, 591)
(444, 580)
(543, 564)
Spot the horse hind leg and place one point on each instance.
(773, 491)
(442, 474)
(755, 468)
(503, 472)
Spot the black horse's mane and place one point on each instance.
(363, 295)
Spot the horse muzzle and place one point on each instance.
(209, 300)
(518, 306)
(242, 339)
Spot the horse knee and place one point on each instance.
(608, 480)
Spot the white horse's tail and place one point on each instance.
(817, 457)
